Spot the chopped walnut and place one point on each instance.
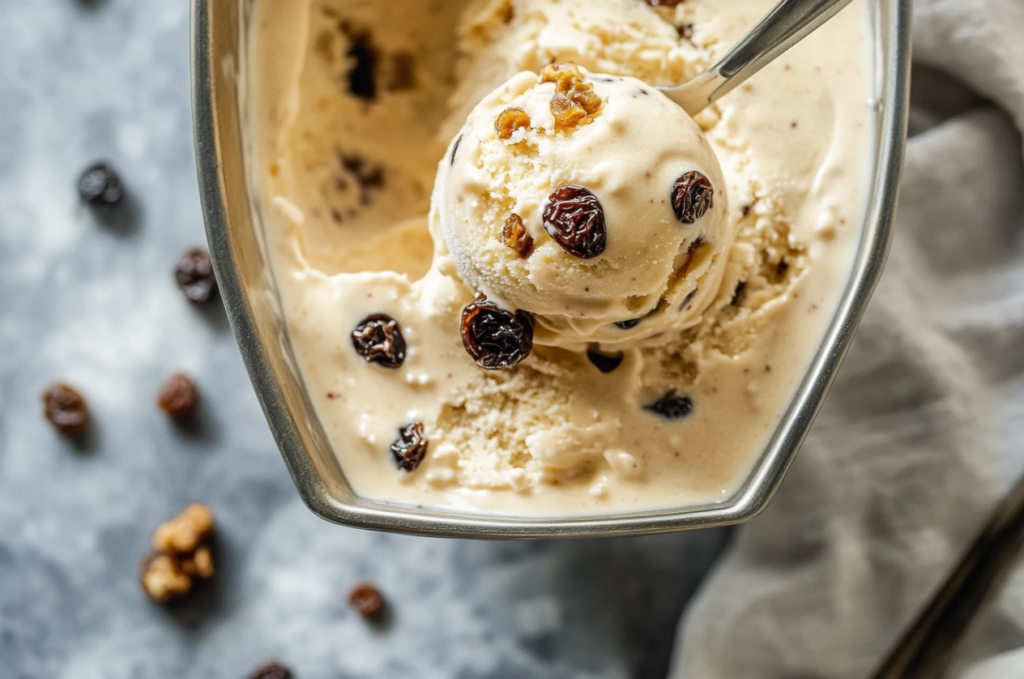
(185, 532)
(163, 579)
(510, 120)
(180, 557)
(514, 235)
(574, 100)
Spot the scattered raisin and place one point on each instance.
(194, 273)
(692, 197)
(362, 76)
(737, 294)
(100, 185)
(664, 3)
(606, 363)
(367, 600)
(455, 150)
(66, 409)
(574, 99)
(495, 338)
(379, 340)
(628, 325)
(271, 670)
(574, 217)
(510, 120)
(178, 396)
(514, 235)
(411, 446)
(671, 406)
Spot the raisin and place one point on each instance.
(178, 396)
(513, 234)
(379, 340)
(66, 409)
(685, 32)
(606, 363)
(271, 670)
(367, 600)
(365, 60)
(574, 217)
(495, 338)
(411, 446)
(455, 150)
(510, 120)
(628, 325)
(692, 196)
(194, 273)
(664, 3)
(100, 185)
(671, 406)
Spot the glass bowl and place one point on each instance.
(232, 213)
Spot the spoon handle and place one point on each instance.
(789, 23)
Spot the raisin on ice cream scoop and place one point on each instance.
(591, 202)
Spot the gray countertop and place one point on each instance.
(90, 298)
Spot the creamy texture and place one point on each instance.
(346, 181)
(629, 155)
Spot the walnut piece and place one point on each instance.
(574, 101)
(514, 235)
(162, 578)
(510, 120)
(180, 556)
(184, 533)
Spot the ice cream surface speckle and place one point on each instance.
(426, 193)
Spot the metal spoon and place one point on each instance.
(790, 22)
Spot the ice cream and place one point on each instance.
(608, 229)
(454, 363)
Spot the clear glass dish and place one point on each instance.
(232, 213)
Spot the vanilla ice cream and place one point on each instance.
(636, 267)
(489, 290)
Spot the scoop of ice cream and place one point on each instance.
(595, 203)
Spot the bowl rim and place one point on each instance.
(764, 478)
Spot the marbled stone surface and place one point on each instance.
(90, 298)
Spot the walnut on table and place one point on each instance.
(181, 555)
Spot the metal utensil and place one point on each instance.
(928, 647)
(790, 22)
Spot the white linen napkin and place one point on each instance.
(925, 425)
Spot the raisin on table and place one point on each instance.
(100, 185)
(367, 600)
(66, 409)
(194, 273)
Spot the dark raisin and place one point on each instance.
(66, 409)
(100, 185)
(271, 670)
(362, 77)
(606, 363)
(692, 197)
(455, 150)
(379, 340)
(737, 294)
(411, 446)
(495, 338)
(194, 273)
(514, 235)
(574, 217)
(685, 32)
(179, 396)
(367, 600)
(628, 325)
(664, 3)
(671, 406)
